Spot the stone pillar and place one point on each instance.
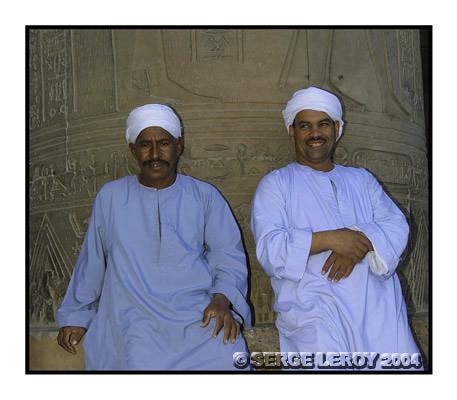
(229, 86)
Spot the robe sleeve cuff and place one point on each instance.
(239, 304)
(297, 254)
(76, 318)
(376, 262)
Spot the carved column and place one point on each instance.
(229, 86)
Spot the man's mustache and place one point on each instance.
(149, 162)
(315, 138)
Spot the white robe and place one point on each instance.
(365, 312)
(149, 265)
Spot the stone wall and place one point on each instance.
(229, 86)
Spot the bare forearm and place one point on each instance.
(344, 241)
(320, 242)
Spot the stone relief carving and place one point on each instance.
(285, 71)
(199, 62)
(262, 297)
(390, 167)
(94, 72)
(341, 155)
(142, 81)
(82, 176)
(50, 272)
(73, 82)
(49, 77)
(233, 161)
(243, 216)
(215, 44)
(416, 271)
(351, 73)
(55, 65)
(410, 71)
(79, 229)
(35, 91)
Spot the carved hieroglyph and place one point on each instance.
(229, 86)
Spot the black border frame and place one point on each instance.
(426, 32)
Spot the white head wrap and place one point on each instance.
(152, 115)
(316, 99)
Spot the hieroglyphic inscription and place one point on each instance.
(237, 160)
(396, 168)
(35, 82)
(215, 45)
(205, 72)
(55, 66)
(392, 167)
(82, 175)
(44, 185)
(408, 71)
(416, 272)
(49, 77)
(408, 171)
(419, 179)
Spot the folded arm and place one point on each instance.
(282, 250)
(388, 231)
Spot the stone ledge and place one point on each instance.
(46, 355)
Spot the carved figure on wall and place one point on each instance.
(49, 274)
(243, 214)
(242, 157)
(341, 156)
(56, 188)
(79, 229)
(90, 173)
(325, 232)
(166, 248)
(416, 273)
(216, 45)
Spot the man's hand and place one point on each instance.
(70, 336)
(219, 308)
(351, 244)
(346, 242)
(340, 267)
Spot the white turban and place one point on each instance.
(314, 99)
(152, 115)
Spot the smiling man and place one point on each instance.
(161, 279)
(330, 239)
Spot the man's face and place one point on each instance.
(314, 136)
(157, 153)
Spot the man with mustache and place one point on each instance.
(330, 239)
(162, 269)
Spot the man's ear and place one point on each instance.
(291, 133)
(337, 127)
(132, 150)
(180, 145)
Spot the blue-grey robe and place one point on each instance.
(365, 312)
(148, 267)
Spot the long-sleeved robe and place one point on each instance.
(148, 267)
(364, 312)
